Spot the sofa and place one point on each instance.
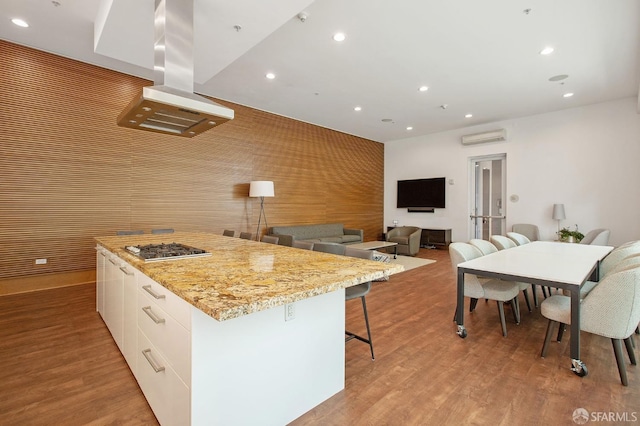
(325, 232)
(407, 237)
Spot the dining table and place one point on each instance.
(546, 263)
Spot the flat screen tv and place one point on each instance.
(422, 193)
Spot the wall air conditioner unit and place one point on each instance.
(492, 136)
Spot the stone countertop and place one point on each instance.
(243, 276)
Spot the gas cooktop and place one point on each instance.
(170, 251)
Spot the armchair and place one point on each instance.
(407, 237)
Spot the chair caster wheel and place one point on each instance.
(462, 332)
(579, 368)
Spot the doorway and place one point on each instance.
(487, 194)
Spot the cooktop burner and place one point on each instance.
(170, 251)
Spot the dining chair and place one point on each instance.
(246, 235)
(612, 309)
(615, 256)
(333, 248)
(271, 239)
(501, 242)
(306, 245)
(359, 291)
(133, 232)
(229, 233)
(629, 244)
(162, 231)
(596, 237)
(532, 232)
(486, 247)
(616, 259)
(518, 238)
(498, 290)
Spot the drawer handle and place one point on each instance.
(148, 289)
(151, 361)
(147, 310)
(126, 272)
(113, 261)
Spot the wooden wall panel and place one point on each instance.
(68, 173)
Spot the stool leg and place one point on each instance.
(366, 321)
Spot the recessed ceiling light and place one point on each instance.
(547, 50)
(558, 77)
(339, 36)
(468, 116)
(567, 95)
(19, 22)
(270, 75)
(358, 108)
(423, 88)
(409, 128)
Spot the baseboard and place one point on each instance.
(46, 281)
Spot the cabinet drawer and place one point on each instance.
(167, 335)
(167, 395)
(172, 304)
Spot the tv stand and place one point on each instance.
(433, 238)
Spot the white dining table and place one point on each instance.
(545, 263)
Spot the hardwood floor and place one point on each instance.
(60, 365)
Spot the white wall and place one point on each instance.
(586, 158)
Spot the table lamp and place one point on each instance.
(558, 213)
(261, 188)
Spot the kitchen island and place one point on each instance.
(252, 334)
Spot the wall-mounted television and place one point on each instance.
(421, 193)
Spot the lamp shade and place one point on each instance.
(558, 212)
(261, 188)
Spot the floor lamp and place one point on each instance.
(261, 188)
(558, 214)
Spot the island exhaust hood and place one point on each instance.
(170, 106)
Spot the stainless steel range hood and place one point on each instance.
(170, 106)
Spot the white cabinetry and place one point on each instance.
(101, 258)
(152, 328)
(116, 300)
(195, 370)
(129, 323)
(164, 351)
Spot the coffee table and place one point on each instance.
(373, 245)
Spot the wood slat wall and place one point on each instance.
(69, 173)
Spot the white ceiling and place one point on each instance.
(478, 57)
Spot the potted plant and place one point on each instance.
(569, 236)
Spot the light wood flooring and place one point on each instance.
(59, 365)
